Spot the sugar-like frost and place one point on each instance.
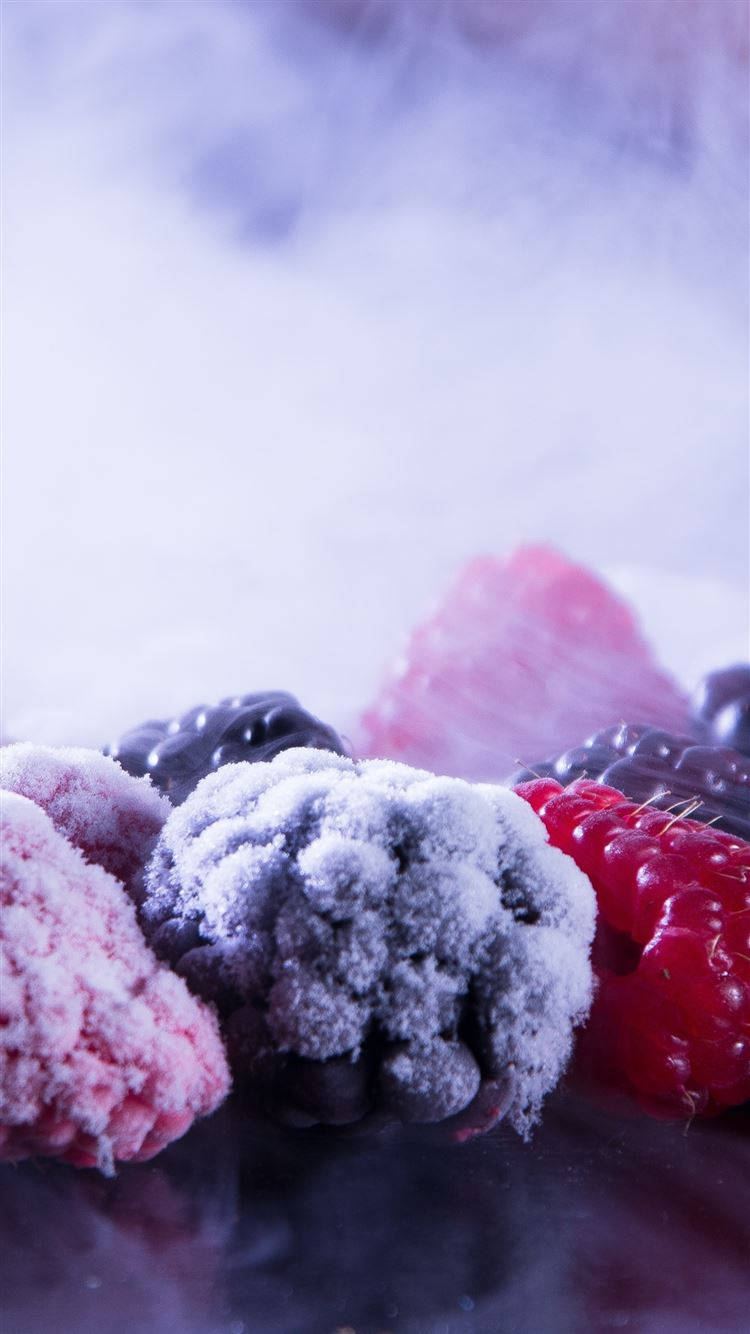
(419, 928)
(104, 1054)
(111, 817)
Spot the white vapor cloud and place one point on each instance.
(298, 317)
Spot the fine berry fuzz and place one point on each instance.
(375, 938)
(671, 1021)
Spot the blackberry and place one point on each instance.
(377, 941)
(647, 764)
(721, 707)
(177, 753)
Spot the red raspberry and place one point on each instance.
(671, 1022)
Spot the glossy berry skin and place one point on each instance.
(671, 1022)
(731, 725)
(177, 753)
(721, 707)
(648, 764)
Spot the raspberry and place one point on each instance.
(522, 657)
(648, 764)
(721, 707)
(112, 818)
(104, 1054)
(671, 1021)
(178, 753)
(375, 938)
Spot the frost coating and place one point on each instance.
(415, 933)
(112, 818)
(104, 1054)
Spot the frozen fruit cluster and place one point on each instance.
(375, 938)
(104, 1054)
(178, 753)
(648, 764)
(672, 1017)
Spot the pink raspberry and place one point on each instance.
(522, 658)
(112, 818)
(104, 1054)
(671, 1021)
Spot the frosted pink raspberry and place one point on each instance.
(104, 1054)
(112, 818)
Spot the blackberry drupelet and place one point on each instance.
(177, 753)
(647, 764)
(721, 707)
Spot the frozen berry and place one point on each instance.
(731, 725)
(648, 764)
(720, 688)
(671, 1021)
(721, 707)
(178, 753)
(522, 657)
(111, 817)
(375, 938)
(104, 1054)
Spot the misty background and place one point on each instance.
(307, 303)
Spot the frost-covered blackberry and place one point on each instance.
(376, 936)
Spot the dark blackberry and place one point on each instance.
(721, 707)
(647, 764)
(177, 753)
(731, 725)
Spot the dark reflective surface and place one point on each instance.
(601, 1223)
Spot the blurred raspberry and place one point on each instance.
(522, 658)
